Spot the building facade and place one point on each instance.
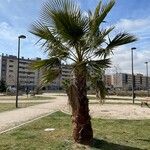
(124, 81)
(8, 72)
(29, 78)
(66, 74)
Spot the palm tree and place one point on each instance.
(66, 33)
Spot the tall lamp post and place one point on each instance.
(147, 86)
(17, 89)
(133, 94)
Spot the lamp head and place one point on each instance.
(22, 37)
(133, 48)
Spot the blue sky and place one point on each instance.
(16, 17)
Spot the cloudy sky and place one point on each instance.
(16, 17)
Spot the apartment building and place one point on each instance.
(119, 80)
(124, 81)
(31, 79)
(108, 80)
(8, 72)
(66, 74)
(28, 77)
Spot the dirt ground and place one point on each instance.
(124, 110)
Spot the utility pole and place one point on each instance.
(17, 89)
(147, 86)
(133, 94)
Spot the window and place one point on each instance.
(11, 61)
(10, 70)
(10, 66)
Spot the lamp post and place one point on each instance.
(133, 94)
(17, 89)
(147, 86)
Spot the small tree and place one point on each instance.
(2, 86)
(67, 33)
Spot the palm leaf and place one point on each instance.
(101, 12)
(50, 74)
(51, 43)
(118, 40)
(66, 18)
(99, 64)
(50, 68)
(46, 63)
(121, 39)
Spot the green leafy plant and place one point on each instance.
(2, 86)
(66, 33)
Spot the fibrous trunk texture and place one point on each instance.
(82, 130)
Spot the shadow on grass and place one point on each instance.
(145, 140)
(104, 145)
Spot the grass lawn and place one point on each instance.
(11, 106)
(108, 135)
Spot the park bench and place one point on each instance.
(145, 102)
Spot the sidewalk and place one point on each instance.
(16, 117)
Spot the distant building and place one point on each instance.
(124, 81)
(8, 72)
(28, 77)
(108, 80)
(31, 78)
(66, 74)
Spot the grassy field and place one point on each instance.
(108, 135)
(11, 106)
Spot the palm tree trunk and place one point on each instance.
(82, 131)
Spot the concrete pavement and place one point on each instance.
(16, 117)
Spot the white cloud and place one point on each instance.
(122, 59)
(133, 25)
(139, 27)
(122, 55)
(9, 40)
(7, 32)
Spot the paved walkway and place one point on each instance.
(16, 117)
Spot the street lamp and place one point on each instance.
(17, 89)
(147, 86)
(133, 94)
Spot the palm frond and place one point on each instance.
(51, 43)
(100, 87)
(99, 64)
(100, 13)
(50, 68)
(118, 40)
(50, 74)
(66, 18)
(121, 39)
(96, 79)
(100, 38)
(46, 63)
